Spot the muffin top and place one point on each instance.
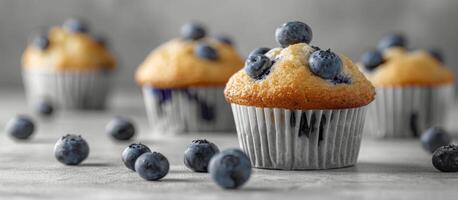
(298, 76)
(194, 60)
(68, 48)
(392, 64)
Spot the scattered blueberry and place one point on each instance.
(394, 40)
(259, 51)
(371, 59)
(45, 109)
(230, 169)
(434, 138)
(325, 64)
(75, 26)
(198, 154)
(192, 31)
(131, 153)
(224, 39)
(292, 33)
(437, 54)
(205, 51)
(120, 128)
(445, 159)
(41, 42)
(258, 66)
(20, 127)
(152, 166)
(71, 149)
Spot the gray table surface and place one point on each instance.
(387, 169)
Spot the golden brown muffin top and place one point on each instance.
(68, 51)
(414, 68)
(176, 64)
(291, 84)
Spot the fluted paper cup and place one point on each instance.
(286, 139)
(400, 112)
(177, 111)
(68, 90)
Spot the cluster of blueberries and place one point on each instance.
(41, 41)
(195, 32)
(373, 58)
(323, 63)
(230, 168)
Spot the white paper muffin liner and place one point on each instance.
(177, 111)
(408, 111)
(68, 90)
(286, 139)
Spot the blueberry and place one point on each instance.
(75, 26)
(394, 40)
(45, 109)
(224, 39)
(292, 33)
(434, 138)
(120, 128)
(131, 153)
(259, 51)
(192, 31)
(198, 154)
(258, 66)
(445, 158)
(325, 64)
(437, 54)
(41, 42)
(230, 169)
(20, 127)
(71, 149)
(371, 59)
(205, 51)
(152, 166)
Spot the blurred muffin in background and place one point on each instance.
(414, 88)
(183, 82)
(68, 68)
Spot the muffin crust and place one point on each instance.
(291, 84)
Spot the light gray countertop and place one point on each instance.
(386, 169)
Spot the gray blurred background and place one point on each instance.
(134, 27)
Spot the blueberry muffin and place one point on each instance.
(68, 68)
(298, 106)
(183, 82)
(414, 88)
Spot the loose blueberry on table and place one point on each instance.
(445, 158)
(205, 51)
(75, 26)
(325, 64)
(20, 127)
(71, 149)
(292, 33)
(41, 41)
(435, 137)
(45, 109)
(120, 128)
(198, 154)
(192, 31)
(259, 51)
(230, 169)
(152, 166)
(394, 40)
(131, 153)
(371, 59)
